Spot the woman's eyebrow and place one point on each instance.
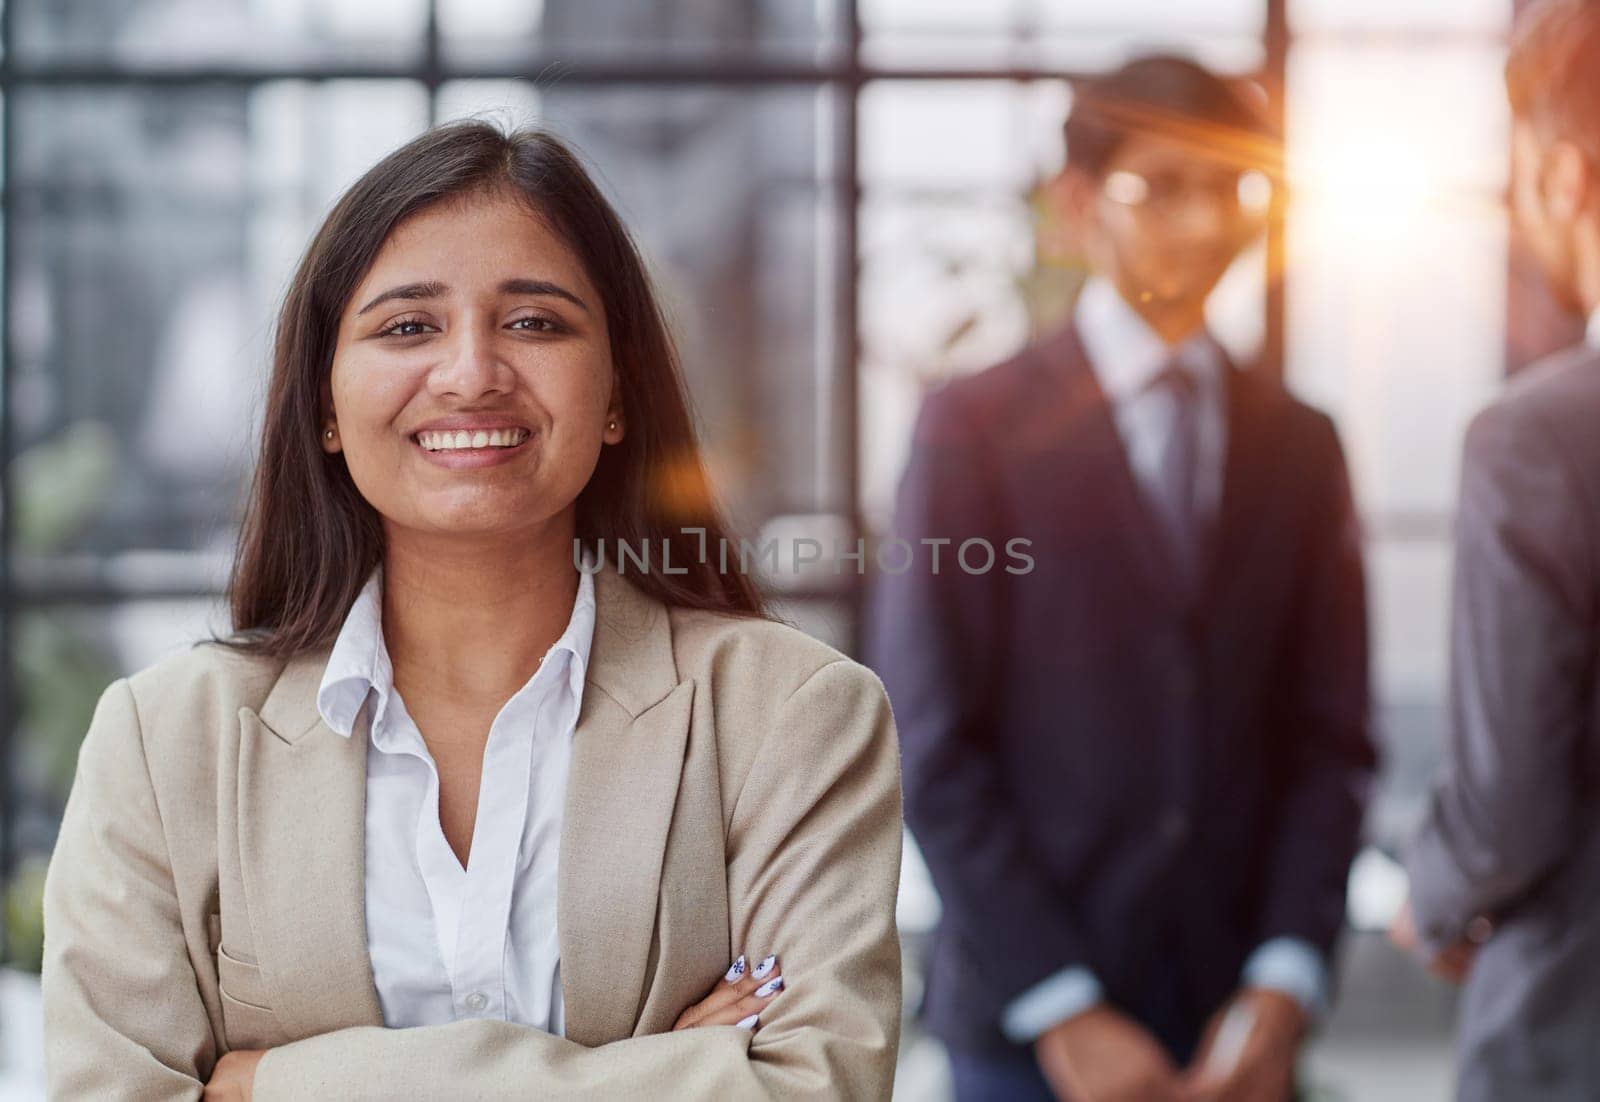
(407, 291)
(435, 289)
(541, 287)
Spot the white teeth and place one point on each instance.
(451, 441)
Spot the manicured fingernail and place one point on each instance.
(748, 1023)
(736, 971)
(764, 967)
(771, 987)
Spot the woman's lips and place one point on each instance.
(469, 459)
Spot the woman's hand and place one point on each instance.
(738, 999)
(233, 1079)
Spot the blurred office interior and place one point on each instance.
(835, 196)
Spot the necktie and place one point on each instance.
(1175, 484)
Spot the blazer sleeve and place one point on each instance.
(1506, 809)
(936, 639)
(1325, 756)
(813, 869)
(123, 1016)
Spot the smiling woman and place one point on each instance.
(470, 278)
(458, 809)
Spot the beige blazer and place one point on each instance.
(734, 788)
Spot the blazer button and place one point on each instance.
(1174, 827)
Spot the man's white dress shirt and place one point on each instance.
(448, 942)
(1127, 356)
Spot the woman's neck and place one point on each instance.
(470, 620)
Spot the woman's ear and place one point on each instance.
(615, 428)
(327, 423)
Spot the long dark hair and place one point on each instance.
(309, 539)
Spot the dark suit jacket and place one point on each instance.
(1513, 832)
(1098, 770)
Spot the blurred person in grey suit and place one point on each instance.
(1505, 869)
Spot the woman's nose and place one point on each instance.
(471, 367)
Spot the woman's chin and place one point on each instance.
(508, 516)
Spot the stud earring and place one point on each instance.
(612, 425)
(328, 434)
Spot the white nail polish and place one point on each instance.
(764, 967)
(748, 1023)
(736, 971)
(771, 987)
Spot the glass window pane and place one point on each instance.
(1397, 257)
(1409, 582)
(1081, 35)
(246, 33)
(1006, 133)
(508, 32)
(155, 234)
(1053, 53)
(506, 103)
(946, 245)
(1019, 16)
(1375, 15)
(64, 658)
(1234, 17)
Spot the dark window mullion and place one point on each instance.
(8, 607)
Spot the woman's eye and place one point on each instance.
(405, 327)
(536, 325)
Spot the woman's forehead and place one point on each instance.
(473, 248)
(497, 225)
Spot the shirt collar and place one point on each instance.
(359, 662)
(1125, 353)
(1593, 334)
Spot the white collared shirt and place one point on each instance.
(1127, 356)
(448, 942)
(1593, 334)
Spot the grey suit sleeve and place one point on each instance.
(1503, 813)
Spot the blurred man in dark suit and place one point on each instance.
(1505, 870)
(1137, 772)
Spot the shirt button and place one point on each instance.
(477, 1001)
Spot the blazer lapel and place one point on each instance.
(302, 807)
(627, 758)
(1065, 445)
